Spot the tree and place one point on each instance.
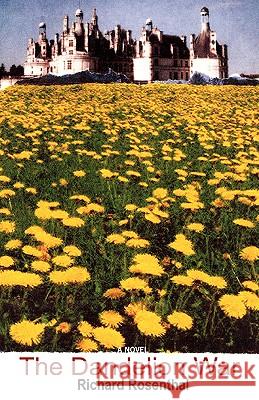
(13, 70)
(19, 70)
(2, 70)
(16, 71)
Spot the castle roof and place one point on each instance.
(201, 46)
(168, 41)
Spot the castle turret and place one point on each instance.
(94, 18)
(65, 24)
(206, 54)
(149, 24)
(205, 23)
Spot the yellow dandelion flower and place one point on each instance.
(72, 275)
(80, 197)
(114, 293)
(73, 222)
(32, 251)
(146, 264)
(137, 243)
(17, 278)
(27, 333)
(43, 213)
(130, 234)
(182, 245)
(5, 193)
(59, 214)
(18, 185)
(31, 190)
(72, 251)
(4, 179)
(133, 284)
(107, 174)
(86, 345)
(152, 218)
(196, 227)
(131, 207)
(79, 173)
(41, 266)
(149, 323)
(13, 244)
(160, 193)
(182, 280)
(233, 306)
(217, 281)
(198, 275)
(111, 319)
(7, 226)
(123, 222)
(85, 329)
(63, 182)
(116, 238)
(47, 204)
(47, 239)
(244, 222)
(251, 285)
(33, 230)
(250, 253)
(109, 338)
(6, 261)
(180, 320)
(63, 327)
(250, 299)
(5, 211)
(63, 260)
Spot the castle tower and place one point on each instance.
(149, 25)
(79, 16)
(205, 16)
(207, 56)
(42, 31)
(79, 28)
(65, 24)
(94, 18)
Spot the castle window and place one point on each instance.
(176, 76)
(71, 43)
(69, 64)
(181, 63)
(71, 52)
(186, 63)
(64, 64)
(175, 63)
(181, 75)
(186, 76)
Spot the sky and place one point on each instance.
(235, 21)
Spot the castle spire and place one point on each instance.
(205, 16)
(94, 18)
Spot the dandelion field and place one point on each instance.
(129, 216)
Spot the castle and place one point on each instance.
(155, 56)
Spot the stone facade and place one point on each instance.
(81, 46)
(159, 56)
(206, 54)
(155, 56)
